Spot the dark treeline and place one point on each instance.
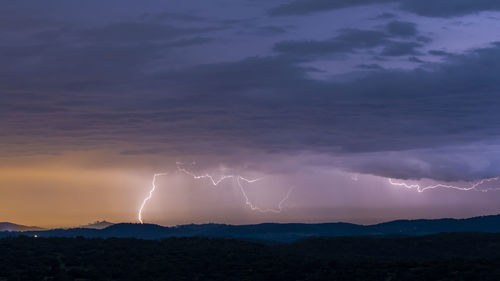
(448, 256)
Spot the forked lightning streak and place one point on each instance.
(472, 187)
(215, 182)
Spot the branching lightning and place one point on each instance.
(252, 206)
(206, 176)
(215, 182)
(472, 187)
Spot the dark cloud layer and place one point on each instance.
(440, 8)
(303, 7)
(402, 28)
(353, 40)
(449, 8)
(181, 84)
(400, 110)
(270, 104)
(347, 41)
(401, 48)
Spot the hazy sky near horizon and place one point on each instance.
(327, 98)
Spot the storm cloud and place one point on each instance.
(328, 98)
(441, 8)
(151, 81)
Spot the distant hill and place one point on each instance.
(285, 232)
(7, 226)
(98, 225)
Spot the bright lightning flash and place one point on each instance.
(473, 187)
(252, 206)
(153, 184)
(216, 182)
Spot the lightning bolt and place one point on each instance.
(205, 176)
(215, 182)
(472, 187)
(252, 206)
(153, 188)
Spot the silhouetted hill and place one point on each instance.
(279, 232)
(423, 227)
(7, 226)
(98, 225)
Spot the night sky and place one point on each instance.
(326, 99)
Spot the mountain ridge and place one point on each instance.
(97, 225)
(279, 232)
(9, 226)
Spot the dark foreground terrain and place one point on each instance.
(449, 256)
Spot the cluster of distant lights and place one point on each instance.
(215, 181)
